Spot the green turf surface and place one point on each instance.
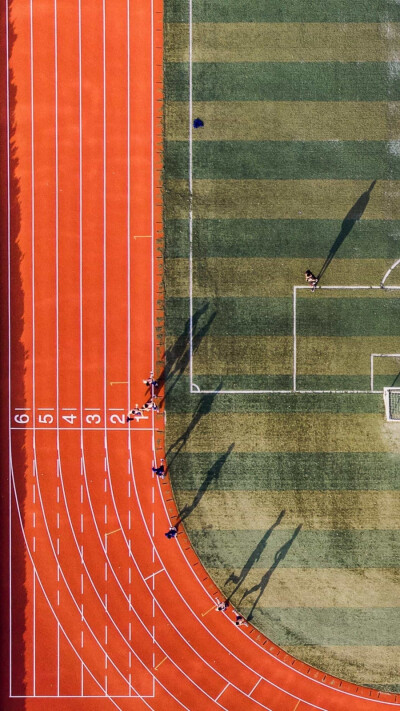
(264, 471)
(281, 182)
(282, 238)
(287, 11)
(274, 160)
(314, 549)
(287, 81)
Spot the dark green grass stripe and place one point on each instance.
(283, 160)
(179, 400)
(348, 317)
(283, 11)
(282, 238)
(329, 626)
(310, 549)
(282, 81)
(273, 471)
(231, 316)
(273, 316)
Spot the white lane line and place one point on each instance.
(10, 686)
(221, 692)
(152, 184)
(80, 221)
(57, 221)
(128, 214)
(37, 577)
(104, 221)
(33, 314)
(255, 686)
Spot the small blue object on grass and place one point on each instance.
(197, 123)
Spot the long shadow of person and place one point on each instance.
(212, 474)
(177, 356)
(354, 214)
(253, 558)
(260, 587)
(203, 408)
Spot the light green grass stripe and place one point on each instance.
(377, 666)
(319, 587)
(285, 120)
(310, 549)
(313, 510)
(283, 11)
(179, 401)
(281, 199)
(283, 81)
(297, 238)
(264, 471)
(277, 432)
(284, 160)
(262, 277)
(273, 355)
(327, 626)
(283, 42)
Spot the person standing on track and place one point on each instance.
(160, 471)
(172, 533)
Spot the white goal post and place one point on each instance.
(391, 398)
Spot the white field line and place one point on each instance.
(190, 195)
(351, 288)
(394, 265)
(300, 391)
(380, 355)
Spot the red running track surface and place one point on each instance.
(100, 610)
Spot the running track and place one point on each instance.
(100, 610)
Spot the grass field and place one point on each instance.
(290, 498)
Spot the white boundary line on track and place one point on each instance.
(152, 357)
(57, 280)
(9, 351)
(33, 319)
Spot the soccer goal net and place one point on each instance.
(391, 397)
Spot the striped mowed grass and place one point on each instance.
(290, 499)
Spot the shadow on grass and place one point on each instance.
(203, 408)
(212, 474)
(254, 557)
(177, 356)
(260, 587)
(354, 214)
